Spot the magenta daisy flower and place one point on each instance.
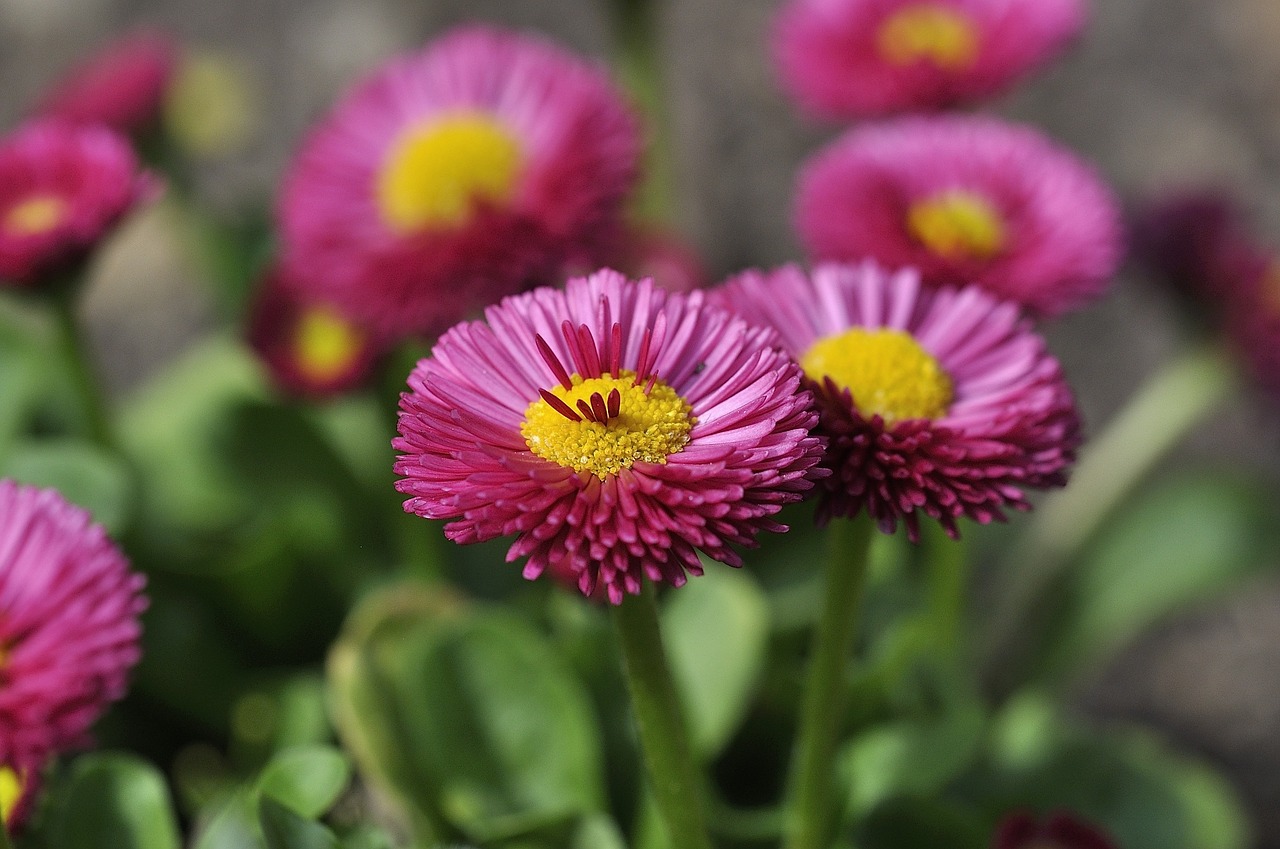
(845, 59)
(69, 608)
(122, 87)
(965, 199)
(469, 170)
(62, 189)
(1059, 830)
(615, 428)
(936, 402)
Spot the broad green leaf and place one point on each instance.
(285, 829)
(115, 800)
(715, 629)
(84, 474)
(306, 779)
(598, 831)
(234, 826)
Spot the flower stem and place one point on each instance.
(1152, 423)
(810, 815)
(663, 737)
(92, 402)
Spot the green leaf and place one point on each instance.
(115, 800)
(598, 831)
(306, 779)
(84, 474)
(715, 629)
(234, 826)
(284, 829)
(921, 823)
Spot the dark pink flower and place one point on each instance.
(123, 86)
(471, 169)
(965, 200)
(845, 59)
(942, 403)
(615, 428)
(62, 190)
(1059, 830)
(69, 608)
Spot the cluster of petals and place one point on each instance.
(750, 450)
(1060, 829)
(69, 629)
(63, 188)
(123, 86)
(1012, 423)
(833, 59)
(1060, 226)
(579, 148)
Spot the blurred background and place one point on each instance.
(1160, 94)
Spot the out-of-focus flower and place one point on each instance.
(123, 86)
(311, 349)
(965, 200)
(937, 402)
(1059, 830)
(62, 189)
(845, 59)
(617, 429)
(19, 787)
(469, 170)
(1253, 325)
(69, 608)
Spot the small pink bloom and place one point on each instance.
(942, 403)
(965, 200)
(614, 428)
(846, 59)
(69, 608)
(123, 86)
(474, 168)
(1059, 830)
(63, 188)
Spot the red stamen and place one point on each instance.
(553, 362)
(559, 406)
(575, 350)
(599, 408)
(615, 350)
(615, 402)
(591, 360)
(587, 413)
(653, 378)
(642, 366)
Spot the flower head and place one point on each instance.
(312, 349)
(62, 189)
(123, 86)
(69, 608)
(1059, 830)
(965, 199)
(617, 429)
(466, 171)
(936, 402)
(844, 59)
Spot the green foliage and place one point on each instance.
(113, 800)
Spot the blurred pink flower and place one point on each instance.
(123, 86)
(62, 190)
(965, 200)
(471, 169)
(936, 402)
(1059, 830)
(617, 429)
(846, 59)
(69, 608)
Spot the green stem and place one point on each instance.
(85, 382)
(810, 815)
(663, 737)
(947, 574)
(1154, 422)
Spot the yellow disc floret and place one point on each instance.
(885, 370)
(436, 171)
(929, 32)
(647, 428)
(325, 344)
(957, 225)
(35, 215)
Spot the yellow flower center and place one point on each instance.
(35, 215)
(10, 792)
(325, 344)
(637, 426)
(886, 371)
(957, 225)
(436, 171)
(929, 32)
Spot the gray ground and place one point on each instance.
(1162, 92)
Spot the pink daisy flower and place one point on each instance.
(311, 349)
(62, 189)
(846, 59)
(69, 608)
(455, 175)
(965, 199)
(123, 86)
(615, 428)
(936, 402)
(1059, 830)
